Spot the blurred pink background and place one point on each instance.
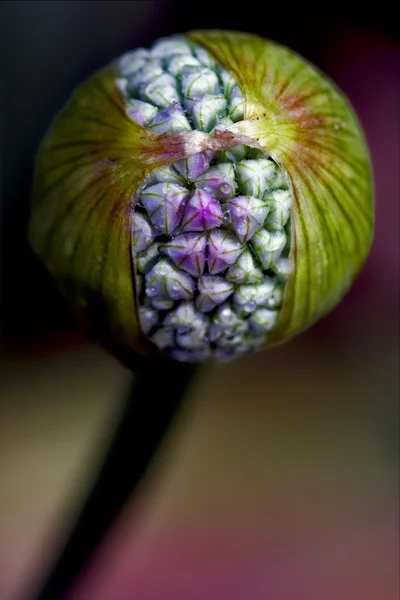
(279, 478)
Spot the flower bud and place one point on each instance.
(203, 198)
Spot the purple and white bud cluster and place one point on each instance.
(177, 86)
(210, 233)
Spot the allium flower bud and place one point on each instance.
(203, 198)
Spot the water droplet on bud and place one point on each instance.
(151, 291)
(250, 306)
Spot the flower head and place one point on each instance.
(203, 198)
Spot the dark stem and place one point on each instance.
(157, 392)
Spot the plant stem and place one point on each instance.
(157, 392)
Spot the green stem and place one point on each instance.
(157, 392)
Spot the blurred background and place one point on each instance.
(279, 477)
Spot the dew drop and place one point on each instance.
(151, 291)
(250, 306)
(226, 314)
(182, 330)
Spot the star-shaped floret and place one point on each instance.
(131, 62)
(197, 83)
(244, 270)
(161, 90)
(141, 112)
(282, 268)
(143, 232)
(228, 82)
(150, 71)
(248, 214)
(146, 259)
(205, 57)
(188, 251)
(186, 316)
(165, 280)
(148, 318)
(262, 320)
(219, 181)
(176, 63)
(206, 112)
(213, 290)
(253, 176)
(167, 174)
(194, 165)
(164, 204)
(226, 326)
(202, 212)
(268, 246)
(223, 250)
(170, 46)
(236, 104)
(171, 119)
(163, 338)
(279, 203)
(249, 296)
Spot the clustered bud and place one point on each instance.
(206, 197)
(211, 233)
